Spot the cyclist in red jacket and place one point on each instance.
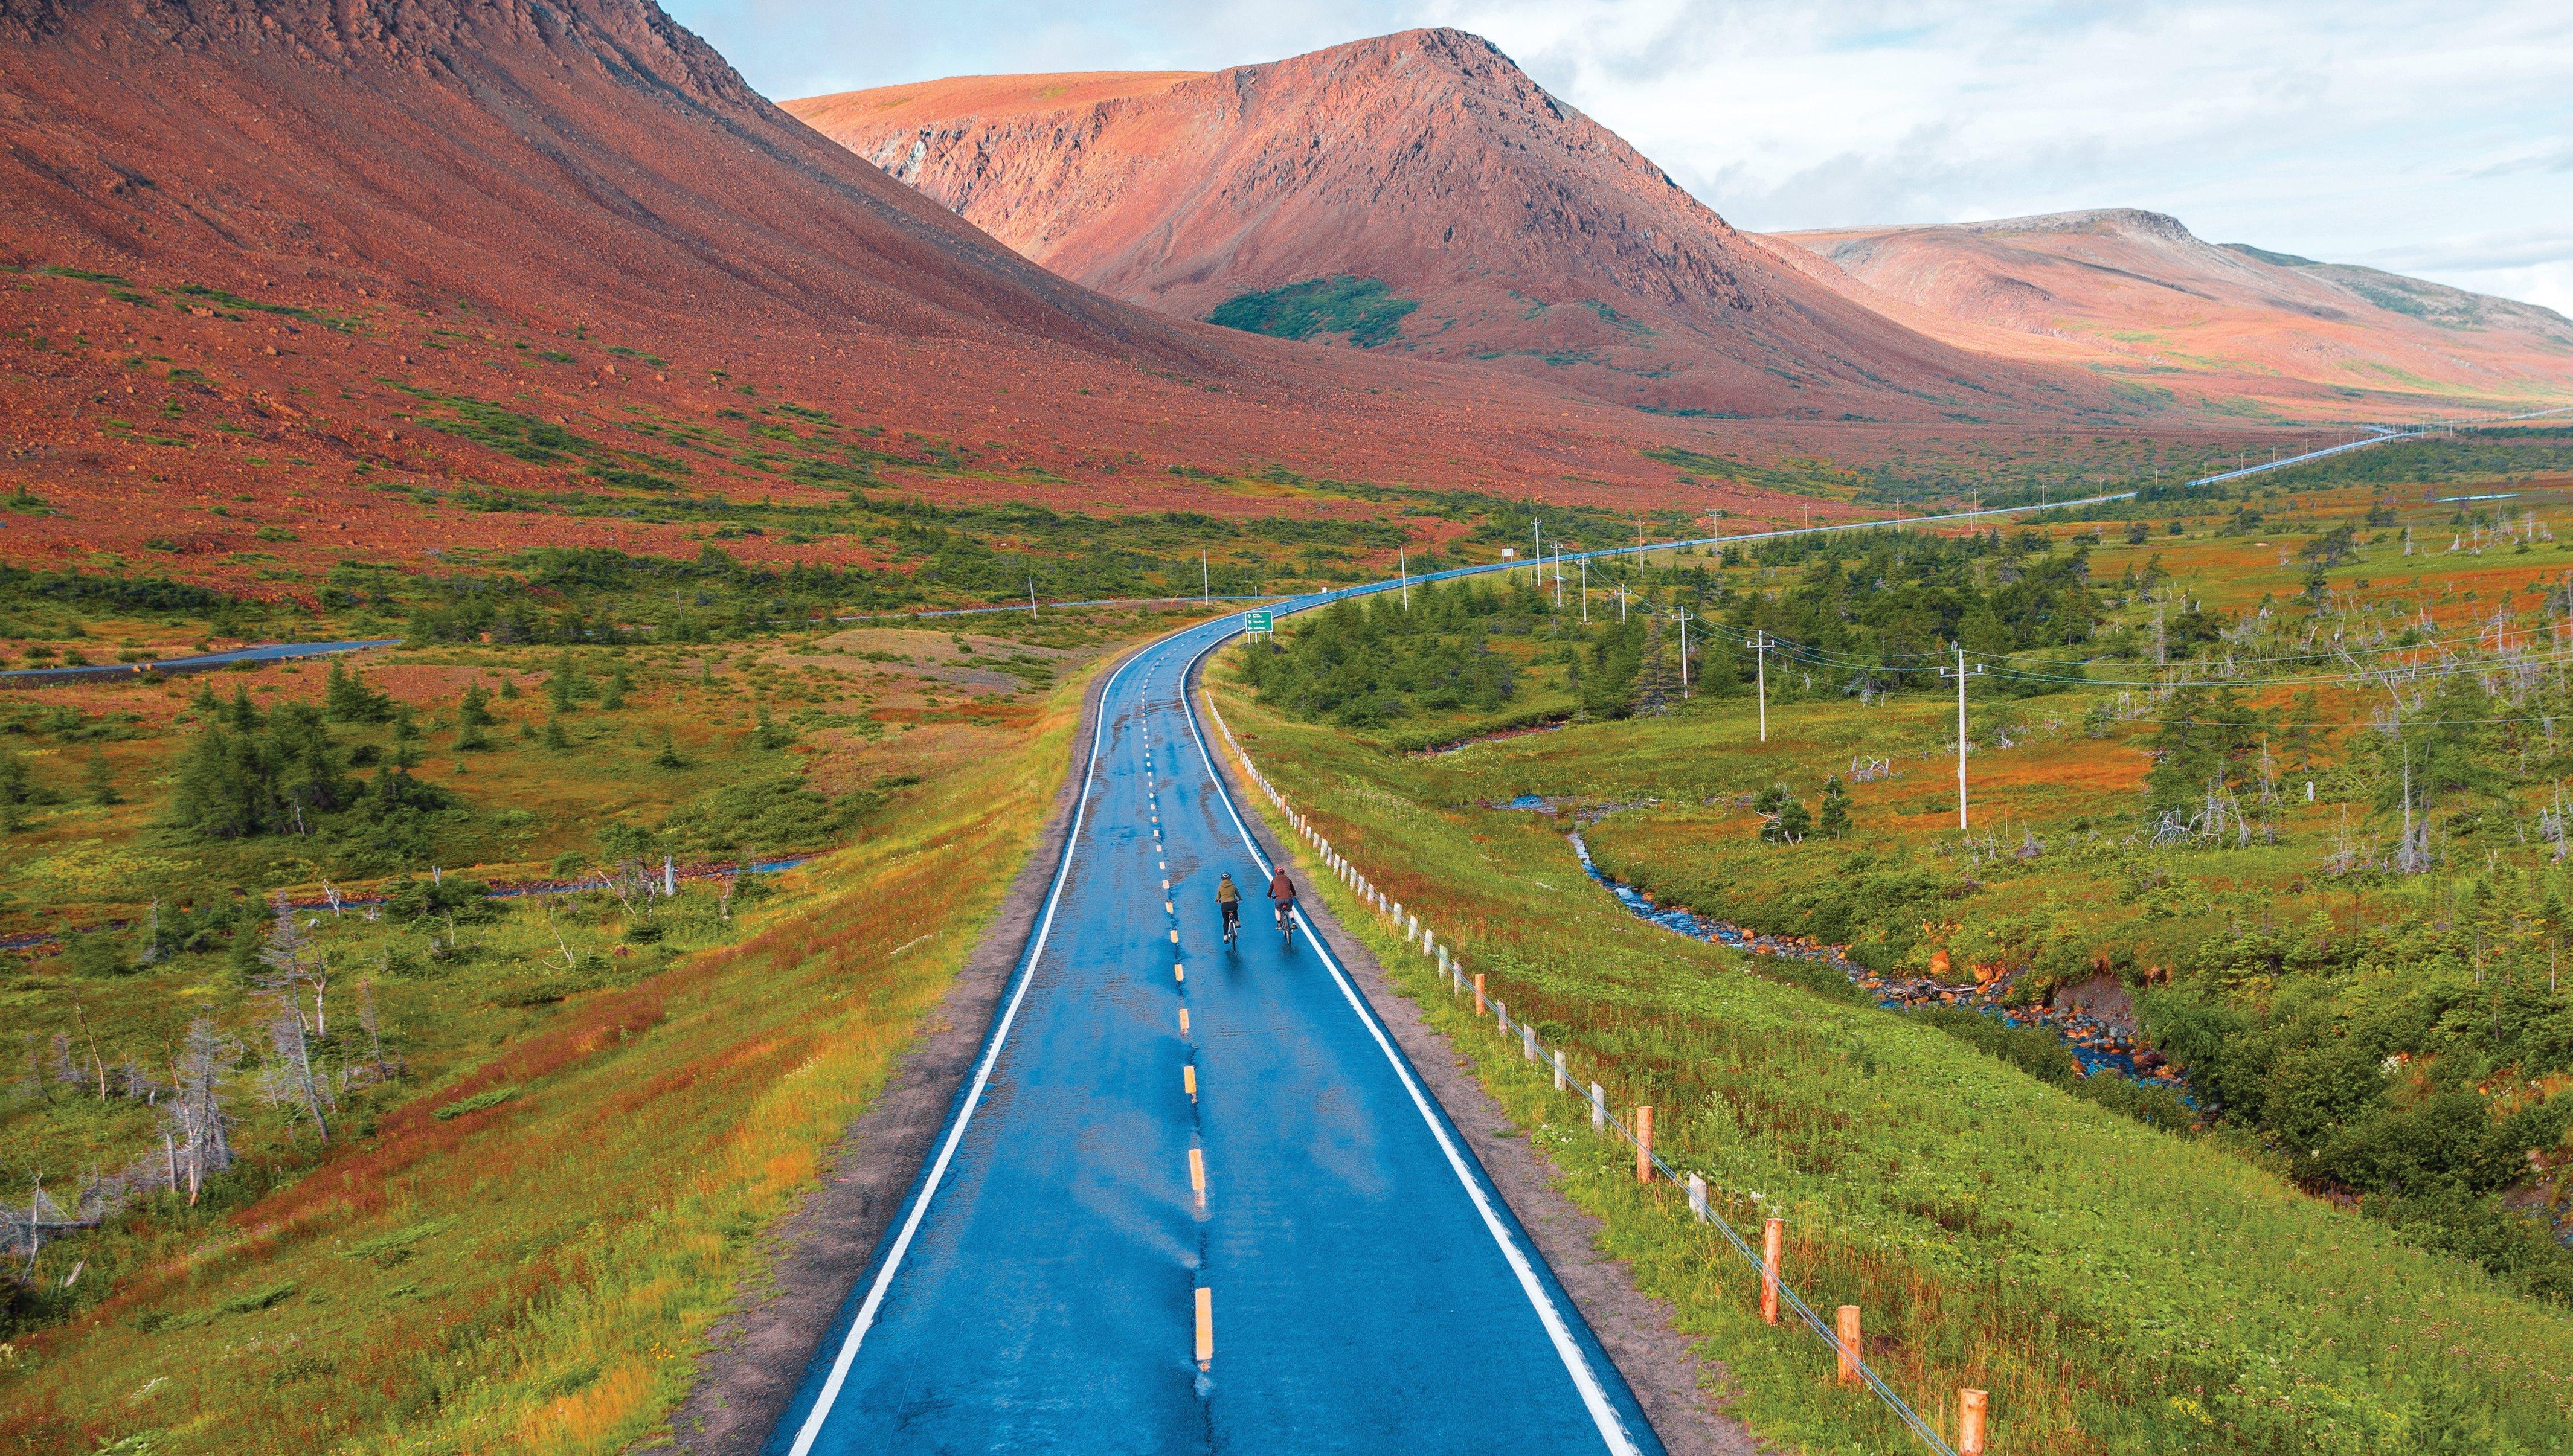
(1281, 892)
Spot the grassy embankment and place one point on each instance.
(2115, 1288)
(513, 1242)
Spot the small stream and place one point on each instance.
(2098, 1045)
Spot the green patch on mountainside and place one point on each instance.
(1364, 309)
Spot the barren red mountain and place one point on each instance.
(1531, 238)
(245, 232)
(2137, 294)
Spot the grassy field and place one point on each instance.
(2117, 1288)
(594, 1105)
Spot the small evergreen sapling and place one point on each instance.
(1834, 820)
(1784, 819)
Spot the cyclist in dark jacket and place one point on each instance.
(1282, 890)
(1227, 898)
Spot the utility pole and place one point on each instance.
(1032, 598)
(1960, 673)
(1537, 564)
(1682, 613)
(1585, 592)
(1206, 578)
(1759, 645)
(1621, 603)
(1407, 578)
(1558, 576)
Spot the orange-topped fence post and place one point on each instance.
(1972, 1407)
(1773, 1242)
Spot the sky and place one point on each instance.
(2428, 138)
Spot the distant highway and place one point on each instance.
(2383, 433)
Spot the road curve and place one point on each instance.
(1165, 1139)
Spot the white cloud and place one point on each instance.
(2354, 131)
(2548, 284)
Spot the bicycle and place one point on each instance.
(1287, 924)
(1232, 923)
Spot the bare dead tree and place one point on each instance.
(371, 1022)
(631, 882)
(288, 1082)
(292, 958)
(33, 1082)
(569, 963)
(198, 1123)
(96, 1063)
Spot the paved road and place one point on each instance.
(198, 662)
(1368, 1290)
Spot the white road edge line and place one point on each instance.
(848, 1356)
(1594, 1395)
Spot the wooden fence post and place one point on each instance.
(1697, 1197)
(1643, 1144)
(1972, 1407)
(1598, 1110)
(1559, 1068)
(1773, 1242)
(1850, 1346)
(1480, 1006)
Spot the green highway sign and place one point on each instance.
(1255, 621)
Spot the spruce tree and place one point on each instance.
(16, 790)
(1834, 820)
(1656, 687)
(562, 689)
(1782, 814)
(347, 698)
(100, 781)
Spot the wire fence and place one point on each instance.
(1420, 937)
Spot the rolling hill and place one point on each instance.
(2136, 294)
(1418, 194)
